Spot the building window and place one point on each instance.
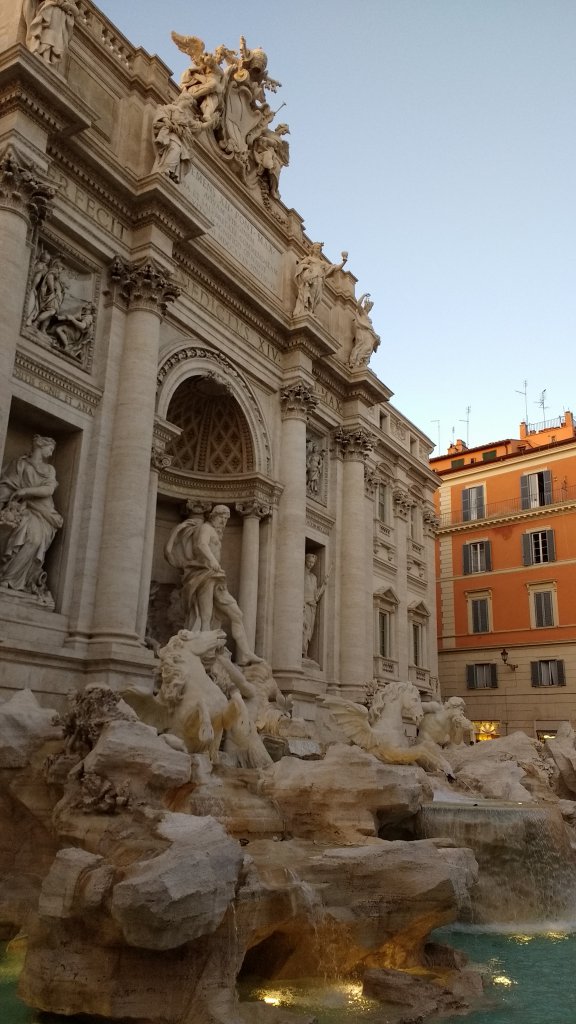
(417, 644)
(487, 731)
(477, 557)
(414, 520)
(547, 673)
(482, 676)
(489, 456)
(542, 608)
(457, 463)
(383, 502)
(473, 503)
(536, 489)
(479, 613)
(538, 546)
(385, 634)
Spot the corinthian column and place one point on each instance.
(146, 289)
(297, 402)
(25, 200)
(252, 512)
(356, 575)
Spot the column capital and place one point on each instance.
(370, 482)
(144, 284)
(253, 509)
(23, 188)
(402, 502)
(159, 460)
(298, 400)
(353, 445)
(431, 522)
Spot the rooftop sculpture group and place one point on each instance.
(224, 93)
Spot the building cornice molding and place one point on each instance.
(41, 375)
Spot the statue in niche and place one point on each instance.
(310, 274)
(28, 519)
(49, 25)
(365, 339)
(195, 548)
(313, 593)
(314, 465)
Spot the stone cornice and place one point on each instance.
(63, 386)
(360, 384)
(228, 489)
(319, 520)
(307, 334)
(30, 85)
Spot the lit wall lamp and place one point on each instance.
(504, 655)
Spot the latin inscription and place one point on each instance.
(225, 316)
(234, 232)
(81, 199)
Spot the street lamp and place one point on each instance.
(504, 655)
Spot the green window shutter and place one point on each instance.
(526, 549)
(488, 555)
(470, 677)
(493, 676)
(466, 504)
(480, 502)
(535, 673)
(524, 491)
(561, 673)
(547, 482)
(466, 558)
(551, 545)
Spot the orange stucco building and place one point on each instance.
(506, 572)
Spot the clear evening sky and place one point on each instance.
(435, 140)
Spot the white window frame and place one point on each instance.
(479, 595)
(549, 587)
(473, 516)
(418, 620)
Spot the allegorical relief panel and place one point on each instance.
(60, 306)
(316, 484)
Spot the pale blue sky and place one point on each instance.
(435, 140)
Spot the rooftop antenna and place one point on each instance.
(437, 422)
(542, 403)
(525, 393)
(453, 434)
(467, 422)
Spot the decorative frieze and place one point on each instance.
(56, 384)
(353, 445)
(144, 284)
(402, 502)
(298, 401)
(59, 310)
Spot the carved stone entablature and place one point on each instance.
(318, 520)
(353, 445)
(60, 307)
(298, 401)
(431, 522)
(59, 385)
(225, 490)
(371, 481)
(253, 509)
(402, 502)
(144, 284)
(23, 188)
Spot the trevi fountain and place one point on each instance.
(230, 791)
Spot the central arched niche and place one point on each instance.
(215, 435)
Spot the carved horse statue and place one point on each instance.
(380, 730)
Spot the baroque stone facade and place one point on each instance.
(171, 331)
